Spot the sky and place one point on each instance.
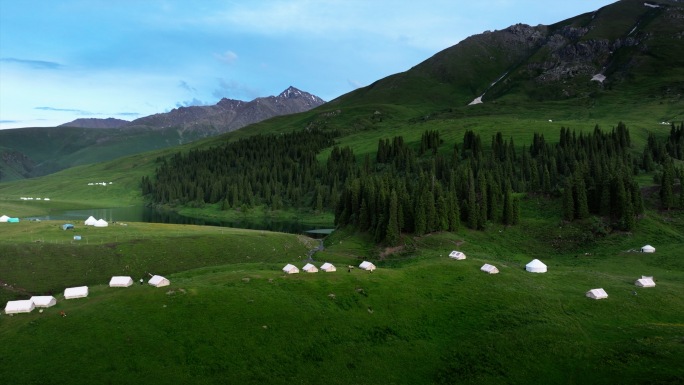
(66, 59)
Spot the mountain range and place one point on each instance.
(36, 151)
(626, 58)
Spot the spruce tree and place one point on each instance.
(392, 233)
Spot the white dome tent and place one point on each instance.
(4, 218)
(648, 249)
(101, 223)
(91, 221)
(536, 266)
(365, 265)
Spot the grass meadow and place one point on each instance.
(231, 316)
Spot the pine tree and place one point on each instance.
(392, 233)
(667, 184)
(568, 202)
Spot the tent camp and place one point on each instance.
(457, 255)
(120, 281)
(365, 265)
(597, 294)
(158, 281)
(101, 223)
(645, 281)
(24, 306)
(328, 267)
(536, 266)
(67, 226)
(91, 221)
(44, 300)
(290, 269)
(4, 218)
(76, 292)
(648, 249)
(491, 269)
(309, 268)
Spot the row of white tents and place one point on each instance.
(27, 306)
(644, 281)
(326, 267)
(537, 266)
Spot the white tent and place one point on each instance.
(597, 294)
(491, 269)
(101, 223)
(24, 306)
(4, 218)
(536, 266)
(457, 255)
(648, 249)
(290, 269)
(645, 281)
(328, 267)
(44, 300)
(309, 268)
(367, 266)
(158, 281)
(76, 292)
(120, 281)
(91, 221)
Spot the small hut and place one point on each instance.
(597, 294)
(309, 268)
(44, 300)
(365, 265)
(645, 281)
(489, 269)
(457, 255)
(290, 269)
(328, 267)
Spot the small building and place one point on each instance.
(648, 249)
(489, 269)
(457, 255)
(645, 281)
(158, 281)
(365, 265)
(23, 306)
(536, 266)
(76, 292)
(597, 294)
(309, 268)
(44, 300)
(120, 281)
(290, 269)
(67, 226)
(328, 267)
(12, 220)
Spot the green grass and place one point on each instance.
(231, 316)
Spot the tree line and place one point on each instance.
(418, 189)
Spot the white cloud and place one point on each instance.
(228, 57)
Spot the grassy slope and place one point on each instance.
(420, 318)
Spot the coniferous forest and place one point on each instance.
(428, 186)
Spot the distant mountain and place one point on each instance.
(229, 115)
(96, 123)
(34, 151)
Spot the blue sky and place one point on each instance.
(66, 59)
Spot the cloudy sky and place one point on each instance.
(66, 59)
